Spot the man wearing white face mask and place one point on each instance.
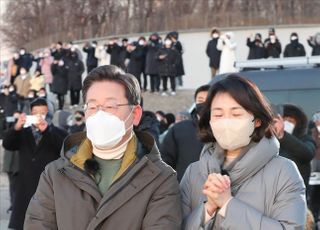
(213, 53)
(109, 177)
(294, 48)
(38, 143)
(295, 143)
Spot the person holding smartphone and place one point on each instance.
(38, 144)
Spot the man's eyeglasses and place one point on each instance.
(110, 107)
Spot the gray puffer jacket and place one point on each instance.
(268, 191)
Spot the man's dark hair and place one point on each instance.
(203, 88)
(114, 74)
(38, 102)
(247, 94)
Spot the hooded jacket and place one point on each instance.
(268, 192)
(144, 196)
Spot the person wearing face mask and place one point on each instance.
(272, 45)
(256, 48)
(136, 55)
(240, 181)
(37, 145)
(109, 177)
(295, 143)
(37, 81)
(92, 61)
(314, 127)
(60, 82)
(294, 48)
(227, 46)
(143, 44)
(123, 54)
(22, 84)
(213, 53)
(114, 50)
(26, 59)
(75, 70)
(181, 145)
(79, 122)
(45, 64)
(152, 63)
(168, 62)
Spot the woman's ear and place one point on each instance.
(257, 123)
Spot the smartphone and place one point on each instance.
(30, 120)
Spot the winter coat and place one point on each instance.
(11, 104)
(228, 55)
(145, 196)
(75, 70)
(314, 43)
(150, 124)
(268, 192)
(272, 49)
(181, 146)
(180, 68)
(60, 79)
(256, 49)
(102, 56)
(294, 49)
(77, 128)
(168, 65)
(37, 82)
(92, 61)
(316, 137)
(45, 64)
(136, 57)
(123, 55)
(301, 150)
(26, 61)
(213, 53)
(32, 161)
(58, 54)
(152, 61)
(22, 85)
(114, 51)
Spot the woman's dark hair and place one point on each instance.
(247, 94)
(114, 74)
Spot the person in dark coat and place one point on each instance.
(213, 53)
(59, 84)
(181, 146)
(92, 61)
(272, 45)
(294, 48)
(136, 57)
(57, 51)
(123, 54)
(176, 44)
(114, 50)
(295, 143)
(314, 43)
(256, 48)
(152, 62)
(38, 145)
(26, 59)
(79, 122)
(75, 70)
(168, 60)
(150, 124)
(142, 42)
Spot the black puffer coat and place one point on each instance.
(168, 65)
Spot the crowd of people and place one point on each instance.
(221, 49)
(239, 160)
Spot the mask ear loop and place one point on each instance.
(125, 121)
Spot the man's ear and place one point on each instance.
(137, 114)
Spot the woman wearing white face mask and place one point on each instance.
(240, 182)
(295, 143)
